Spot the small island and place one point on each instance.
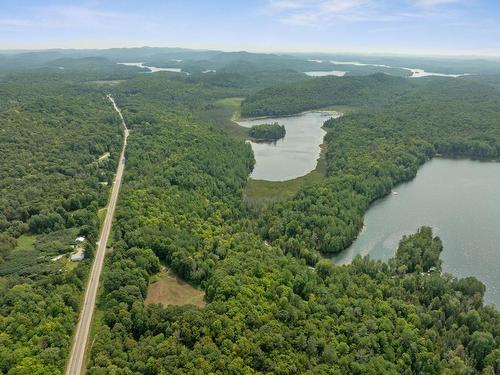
(267, 132)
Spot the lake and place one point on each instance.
(294, 155)
(153, 69)
(460, 200)
(415, 72)
(321, 73)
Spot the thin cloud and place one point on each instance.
(320, 12)
(433, 3)
(286, 4)
(80, 12)
(16, 22)
(311, 12)
(57, 17)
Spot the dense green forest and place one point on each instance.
(61, 141)
(58, 149)
(274, 306)
(268, 312)
(267, 132)
(290, 98)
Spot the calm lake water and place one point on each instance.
(460, 200)
(294, 155)
(415, 72)
(320, 73)
(153, 69)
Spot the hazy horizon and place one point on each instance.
(277, 52)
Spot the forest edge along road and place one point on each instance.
(78, 348)
(75, 362)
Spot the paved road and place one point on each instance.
(75, 362)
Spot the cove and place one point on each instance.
(460, 200)
(297, 153)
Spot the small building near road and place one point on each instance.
(79, 252)
(78, 256)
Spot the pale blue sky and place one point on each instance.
(394, 26)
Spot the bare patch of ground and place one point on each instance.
(171, 290)
(104, 156)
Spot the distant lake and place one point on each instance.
(336, 73)
(294, 155)
(153, 69)
(415, 72)
(460, 200)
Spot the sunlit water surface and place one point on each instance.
(294, 155)
(460, 200)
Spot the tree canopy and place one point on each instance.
(273, 304)
(267, 132)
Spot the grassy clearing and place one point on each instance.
(223, 114)
(169, 289)
(234, 104)
(339, 108)
(34, 253)
(26, 242)
(67, 264)
(101, 214)
(104, 156)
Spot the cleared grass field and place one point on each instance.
(169, 290)
(26, 242)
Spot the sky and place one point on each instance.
(438, 27)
